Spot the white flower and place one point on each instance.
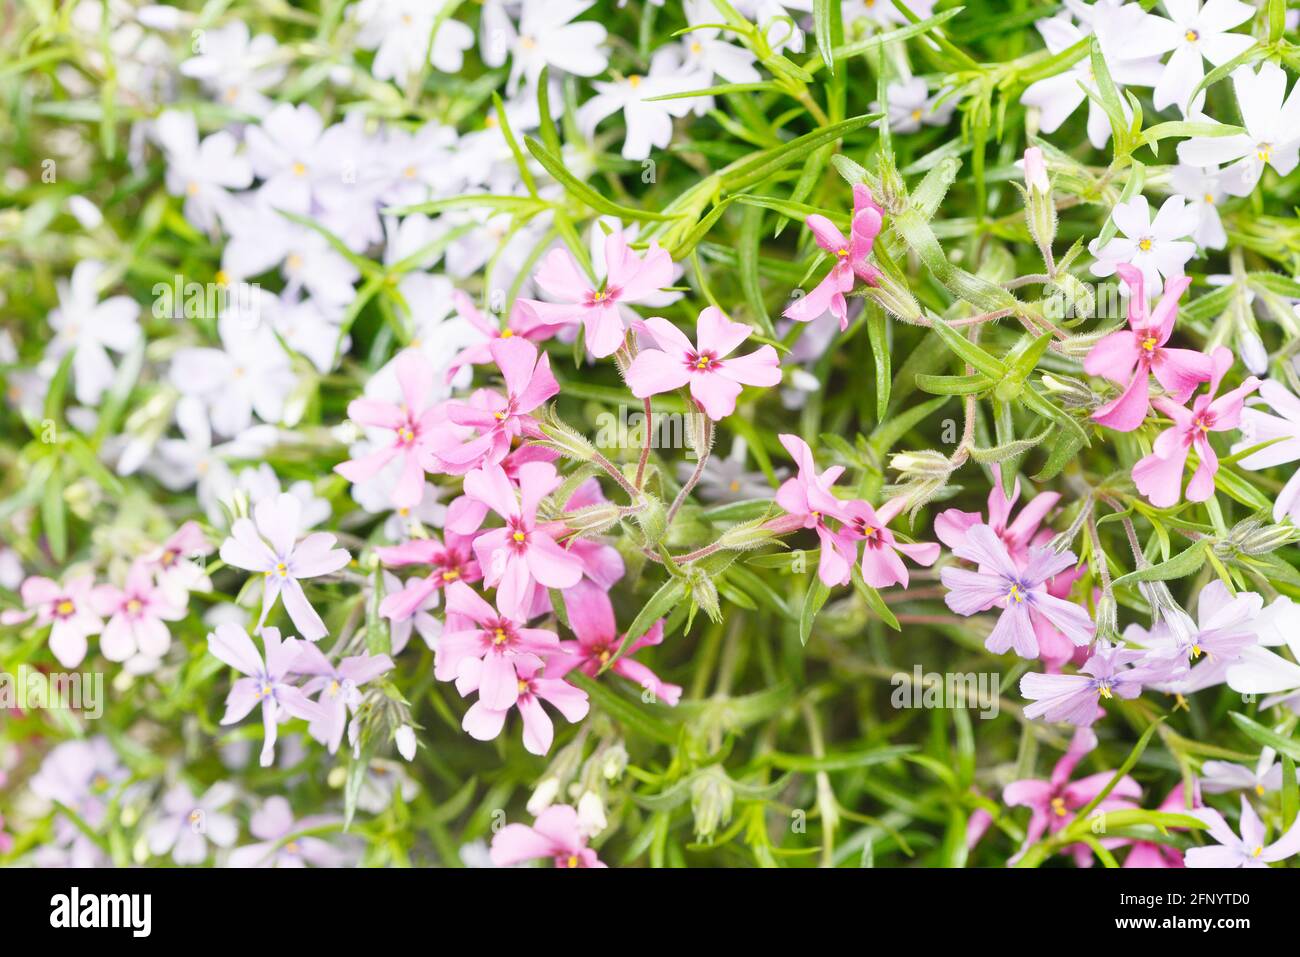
(419, 166)
(591, 814)
(235, 68)
(268, 544)
(261, 238)
(882, 12)
(705, 53)
(910, 105)
(1192, 32)
(778, 19)
(262, 483)
(311, 328)
(88, 327)
(405, 738)
(648, 123)
(548, 37)
(1156, 247)
(1057, 97)
(201, 172)
(249, 373)
(1272, 137)
(286, 154)
(398, 30)
(1283, 430)
(1204, 190)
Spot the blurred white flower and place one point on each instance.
(88, 327)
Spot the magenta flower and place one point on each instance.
(493, 651)
(1159, 476)
(265, 682)
(881, 566)
(556, 834)
(188, 823)
(137, 616)
(951, 525)
(850, 260)
(452, 560)
(1151, 854)
(714, 379)
(412, 423)
(1109, 672)
(1248, 850)
(339, 688)
(484, 723)
(1052, 803)
(629, 280)
(1130, 356)
(522, 322)
(808, 499)
(524, 553)
(591, 616)
(272, 823)
(1020, 590)
(68, 609)
(268, 544)
(500, 419)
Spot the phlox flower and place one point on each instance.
(951, 525)
(69, 610)
(1130, 356)
(523, 554)
(1272, 137)
(521, 322)
(489, 646)
(500, 419)
(265, 682)
(271, 824)
(881, 566)
(83, 775)
(412, 424)
(1155, 246)
(1192, 32)
(629, 279)
(1262, 671)
(1218, 777)
(911, 105)
(714, 376)
(337, 688)
(235, 68)
(399, 33)
(1109, 672)
(188, 824)
(1224, 629)
(1204, 188)
(555, 835)
(137, 616)
(808, 500)
(421, 620)
(591, 616)
(1283, 431)
(90, 329)
(173, 566)
(1052, 803)
(452, 560)
(1159, 475)
(484, 723)
(648, 122)
(546, 36)
(1248, 850)
(268, 544)
(850, 260)
(1018, 588)
(706, 53)
(202, 172)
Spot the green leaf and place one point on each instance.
(755, 168)
(813, 600)
(1189, 561)
(584, 193)
(1266, 736)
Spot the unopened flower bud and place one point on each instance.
(704, 593)
(543, 796)
(896, 298)
(613, 762)
(591, 814)
(1107, 620)
(1040, 211)
(1252, 351)
(711, 800)
(592, 520)
(924, 464)
(405, 738)
(1263, 539)
(1072, 392)
(563, 438)
(746, 535)
(1035, 170)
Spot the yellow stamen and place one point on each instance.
(299, 169)
(507, 333)
(519, 537)
(1191, 36)
(1149, 343)
(1144, 245)
(499, 636)
(1058, 806)
(64, 607)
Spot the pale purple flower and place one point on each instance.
(278, 846)
(1248, 850)
(339, 688)
(188, 824)
(1075, 698)
(1220, 776)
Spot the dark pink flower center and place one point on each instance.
(601, 297)
(702, 361)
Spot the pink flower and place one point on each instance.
(501, 419)
(452, 562)
(1020, 590)
(177, 574)
(522, 322)
(714, 380)
(952, 524)
(1035, 170)
(1128, 357)
(850, 260)
(1151, 854)
(490, 653)
(629, 279)
(268, 544)
(1052, 803)
(484, 723)
(524, 553)
(555, 834)
(591, 616)
(1159, 476)
(68, 609)
(881, 566)
(412, 424)
(137, 616)
(265, 683)
(1249, 850)
(808, 499)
